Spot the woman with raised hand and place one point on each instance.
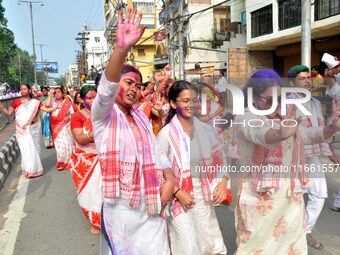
(61, 129)
(84, 161)
(137, 179)
(192, 146)
(28, 130)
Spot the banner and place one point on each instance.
(50, 67)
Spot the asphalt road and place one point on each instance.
(42, 216)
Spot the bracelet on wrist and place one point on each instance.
(176, 192)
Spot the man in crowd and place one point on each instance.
(221, 88)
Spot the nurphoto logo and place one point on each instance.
(238, 105)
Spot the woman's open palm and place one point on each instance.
(128, 30)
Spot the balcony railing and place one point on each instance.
(289, 14)
(4, 119)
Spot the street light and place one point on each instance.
(30, 2)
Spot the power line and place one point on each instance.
(93, 16)
(88, 16)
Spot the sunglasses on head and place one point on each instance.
(269, 101)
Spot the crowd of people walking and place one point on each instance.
(143, 157)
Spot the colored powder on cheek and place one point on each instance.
(121, 93)
(87, 106)
(179, 110)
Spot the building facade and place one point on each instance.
(142, 55)
(72, 76)
(275, 26)
(96, 49)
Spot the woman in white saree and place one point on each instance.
(28, 130)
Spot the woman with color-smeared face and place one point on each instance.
(137, 181)
(129, 88)
(84, 160)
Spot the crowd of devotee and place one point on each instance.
(133, 150)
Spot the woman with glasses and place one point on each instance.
(84, 161)
(269, 215)
(192, 146)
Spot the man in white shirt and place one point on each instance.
(221, 88)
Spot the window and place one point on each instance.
(289, 14)
(224, 25)
(141, 53)
(97, 39)
(326, 8)
(262, 21)
(143, 7)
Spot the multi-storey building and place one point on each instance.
(142, 55)
(211, 28)
(274, 26)
(72, 76)
(96, 49)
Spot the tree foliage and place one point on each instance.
(16, 65)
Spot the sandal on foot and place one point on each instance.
(335, 209)
(313, 242)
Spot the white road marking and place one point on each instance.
(8, 235)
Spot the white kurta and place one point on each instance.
(196, 231)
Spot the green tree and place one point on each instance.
(21, 69)
(7, 45)
(16, 65)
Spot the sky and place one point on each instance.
(56, 25)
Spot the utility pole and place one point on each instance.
(171, 37)
(30, 2)
(180, 41)
(42, 58)
(83, 60)
(306, 32)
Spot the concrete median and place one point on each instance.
(9, 152)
